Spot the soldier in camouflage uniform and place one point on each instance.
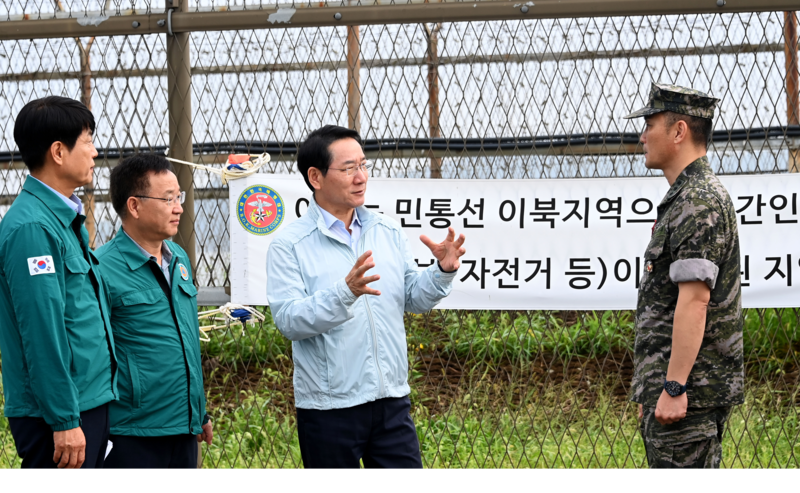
(688, 366)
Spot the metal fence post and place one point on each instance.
(179, 101)
(353, 78)
(432, 60)
(85, 77)
(86, 99)
(792, 84)
(179, 107)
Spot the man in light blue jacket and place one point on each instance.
(350, 353)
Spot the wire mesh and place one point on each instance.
(501, 99)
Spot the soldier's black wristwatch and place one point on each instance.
(674, 389)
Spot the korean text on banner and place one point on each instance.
(571, 244)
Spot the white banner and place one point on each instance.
(570, 244)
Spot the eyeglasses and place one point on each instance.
(178, 198)
(365, 167)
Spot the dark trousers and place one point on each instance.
(168, 452)
(379, 433)
(34, 439)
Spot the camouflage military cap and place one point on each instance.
(667, 97)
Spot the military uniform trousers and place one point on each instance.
(693, 442)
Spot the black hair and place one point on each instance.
(314, 152)
(700, 129)
(131, 177)
(44, 121)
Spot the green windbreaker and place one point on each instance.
(55, 338)
(157, 342)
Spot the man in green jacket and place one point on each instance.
(55, 335)
(160, 416)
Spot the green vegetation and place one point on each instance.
(501, 389)
(8, 453)
(771, 336)
(540, 435)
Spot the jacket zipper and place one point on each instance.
(362, 242)
(372, 326)
(168, 291)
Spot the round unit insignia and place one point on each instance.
(260, 210)
(184, 272)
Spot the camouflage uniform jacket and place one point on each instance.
(695, 238)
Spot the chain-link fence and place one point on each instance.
(515, 98)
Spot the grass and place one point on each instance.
(540, 435)
(501, 389)
(470, 435)
(8, 453)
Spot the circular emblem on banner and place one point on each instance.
(260, 210)
(184, 272)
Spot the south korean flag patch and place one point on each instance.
(41, 265)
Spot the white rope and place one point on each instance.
(233, 171)
(229, 318)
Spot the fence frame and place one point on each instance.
(179, 19)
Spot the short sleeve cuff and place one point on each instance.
(345, 295)
(694, 269)
(440, 277)
(67, 425)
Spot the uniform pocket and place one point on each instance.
(654, 251)
(145, 297)
(76, 265)
(656, 246)
(188, 289)
(136, 388)
(699, 424)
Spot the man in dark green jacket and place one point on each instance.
(160, 416)
(55, 336)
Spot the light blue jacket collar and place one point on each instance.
(330, 219)
(366, 217)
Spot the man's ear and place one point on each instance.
(132, 206)
(680, 131)
(315, 178)
(57, 150)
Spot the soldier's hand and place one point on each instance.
(641, 412)
(70, 448)
(355, 279)
(671, 409)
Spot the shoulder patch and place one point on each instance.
(41, 265)
(184, 272)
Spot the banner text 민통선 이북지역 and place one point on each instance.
(569, 244)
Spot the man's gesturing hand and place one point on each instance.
(70, 448)
(355, 279)
(671, 409)
(448, 251)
